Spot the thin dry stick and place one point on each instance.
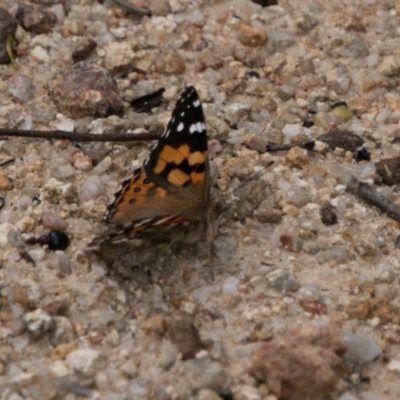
(80, 137)
(369, 194)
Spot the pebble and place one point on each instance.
(24, 202)
(139, 388)
(129, 367)
(225, 247)
(268, 212)
(84, 51)
(284, 363)
(37, 254)
(59, 369)
(360, 349)
(5, 228)
(92, 188)
(63, 331)
(285, 283)
(84, 360)
(15, 238)
(186, 336)
(40, 54)
(230, 285)
(53, 221)
(35, 19)
(285, 93)
(38, 323)
(328, 214)
(343, 139)
(291, 130)
(81, 162)
(205, 374)
(394, 366)
(386, 276)
(154, 324)
(20, 87)
(86, 89)
(389, 66)
(171, 64)
(119, 57)
(309, 293)
(250, 36)
(297, 158)
(62, 350)
(169, 354)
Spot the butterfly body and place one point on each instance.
(173, 184)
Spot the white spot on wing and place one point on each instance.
(193, 128)
(197, 127)
(142, 222)
(163, 220)
(196, 103)
(179, 128)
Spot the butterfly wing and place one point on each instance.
(179, 161)
(172, 186)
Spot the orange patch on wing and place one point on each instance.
(160, 166)
(184, 150)
(130, 200)
(161, 193)
(196, 158)
(177, 177)
(197, 177)
(172, 155)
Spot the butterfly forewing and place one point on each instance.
(180, 157)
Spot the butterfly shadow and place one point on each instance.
(164, 253)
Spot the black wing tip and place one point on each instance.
(189, 90)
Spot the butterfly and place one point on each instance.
(173, 184)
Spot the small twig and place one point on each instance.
(132, 8)
(369, 194)
(284, 147)
(6, 162)
(81, 137)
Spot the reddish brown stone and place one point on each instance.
(186, 336)
(85, 89)
(302, 364)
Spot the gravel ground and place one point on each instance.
(305, 301)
